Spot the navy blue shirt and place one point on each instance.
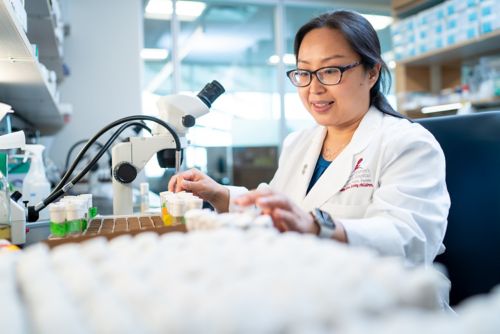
(320, 168)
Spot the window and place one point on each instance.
(247, 114)
(233, 42)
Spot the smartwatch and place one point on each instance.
(325, 223)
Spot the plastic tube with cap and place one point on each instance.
(144, 197)
(165, 197)
(58, 224)
(177, 208)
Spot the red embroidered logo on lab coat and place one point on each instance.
(360, 177)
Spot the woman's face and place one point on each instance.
(339, 105)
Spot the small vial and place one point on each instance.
(194, 202)
(86, 199)
(73, 217)
(68, 198)
(58, 225)
(177, 208)
(165, 197)
(91, 210)
(83, 210)
(144, 197)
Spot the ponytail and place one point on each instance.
(377, 98)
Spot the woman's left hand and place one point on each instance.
(286, 215)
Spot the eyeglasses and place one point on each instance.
(326, 75)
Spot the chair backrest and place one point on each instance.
(471, 144)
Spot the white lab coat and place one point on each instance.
(387, 187)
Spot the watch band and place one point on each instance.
(325, 223)
(326, 232)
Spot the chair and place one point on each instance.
(471, 144)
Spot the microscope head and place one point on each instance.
(181, 111)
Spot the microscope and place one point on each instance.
(177, 114)
(129, 158)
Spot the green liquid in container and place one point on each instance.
(92, 212)
(58, 229)
(74, 226)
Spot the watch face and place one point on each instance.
(324, 218)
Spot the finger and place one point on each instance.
(172, 182)
(246, 199)
(274, 201)
(280, 226)
(285, 218)
(278, 222)
(251, 197)
(179, 184)
(189, 186)
(192, 174)
(199, 188)
(187, 175)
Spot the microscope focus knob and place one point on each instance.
(188, 121)
(125, 172)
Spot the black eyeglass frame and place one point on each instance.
(342, 69)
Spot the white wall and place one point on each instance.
(102, 52)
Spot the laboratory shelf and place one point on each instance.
(478, 104)
(475, 47)
(407, 8)
(41, 31)
(22, 84)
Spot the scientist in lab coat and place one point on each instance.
(364, 175)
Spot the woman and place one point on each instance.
(364, 175)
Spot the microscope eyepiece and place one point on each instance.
(211, 92)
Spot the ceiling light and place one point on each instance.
(154, 54)
(288, 59)
(378, 22)
(442, 107)
(186, 10)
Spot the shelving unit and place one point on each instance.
(404, 8)
(41, 31)
(439, 69)
(481, 45)
(21, 82)
(477, 104)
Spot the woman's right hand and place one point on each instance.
(201, 185)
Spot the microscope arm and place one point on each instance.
(128, 159)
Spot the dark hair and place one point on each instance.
(363, 39)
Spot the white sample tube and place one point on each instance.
(144, 197)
